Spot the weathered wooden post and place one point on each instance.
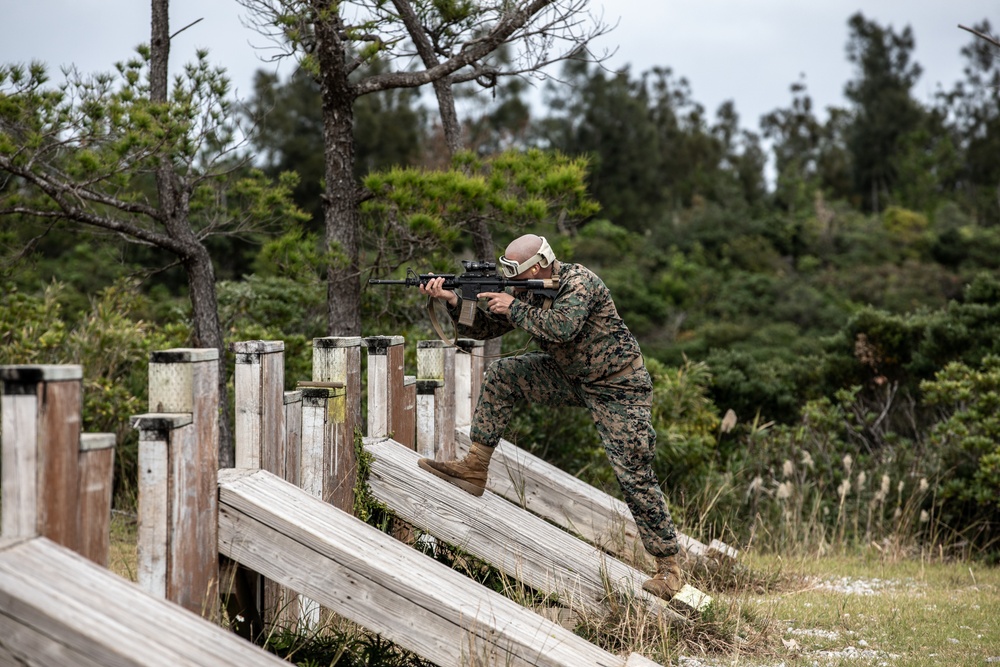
(338, 359)
(388, 402)
(405, 418)
(41, 441)
(97, 469)
(470, 367)
(290, 608)
(436, 399)
(260, 405)
(385, 384)
(337, 366)
(178, 479)
(260, 436)
(325, 469)
(163, 439)
(293, 435)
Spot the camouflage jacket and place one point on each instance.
(581, 330)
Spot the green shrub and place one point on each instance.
(966, 441)
(111, 346)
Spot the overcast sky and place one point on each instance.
(749, 52)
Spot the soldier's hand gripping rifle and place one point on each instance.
(479, 277)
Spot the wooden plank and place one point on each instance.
(97, 468)
(518, 543)
(48, 592)
(436, 399)
(425, 417)
(260, 432)
(545, 490)
(175, 516)
(382, 584)
(636, 660)
(273, 415)
(25, 646)
(203, 500)
(344, 470)
(378, 395)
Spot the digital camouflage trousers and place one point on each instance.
(620, 409)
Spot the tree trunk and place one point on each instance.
(208, 334)
(341, 214)
(174, 205)
(449, 117)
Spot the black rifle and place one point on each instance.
(479, 277)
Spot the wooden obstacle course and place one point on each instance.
(180, 540)
(545, 490)
(518, 543)
(384, 585)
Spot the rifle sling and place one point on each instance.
(437, 325)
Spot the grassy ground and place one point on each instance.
(855, 610)
(840, 610)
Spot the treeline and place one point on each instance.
(825, 346)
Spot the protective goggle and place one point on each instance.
(543, 258)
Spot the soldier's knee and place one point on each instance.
(502, 370)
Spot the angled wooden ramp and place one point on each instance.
(59, 609)
(384, 585)
(545, 490)
(515, 541)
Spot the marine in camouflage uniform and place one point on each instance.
(589, 359)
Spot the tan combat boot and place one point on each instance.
(667, 581)
(469, 474)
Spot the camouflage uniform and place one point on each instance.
(583, 341)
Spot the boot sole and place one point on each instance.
(473, 489)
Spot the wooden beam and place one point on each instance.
(536, 485)
(59, 609)
(161, 568)
(518, 543)
(382, 584)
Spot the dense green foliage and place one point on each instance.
(824, 345)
